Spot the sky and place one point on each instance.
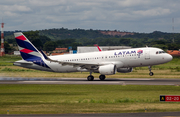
(142, 16)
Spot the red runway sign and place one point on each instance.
(170, 98)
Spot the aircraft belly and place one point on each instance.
(137, 62)
(130, 63)
(56, 67)
(67, 69)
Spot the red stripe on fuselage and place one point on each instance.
(26, 51)
(21, 38)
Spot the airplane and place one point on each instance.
(103, 62)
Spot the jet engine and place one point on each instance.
(125, 70)
(107, 69)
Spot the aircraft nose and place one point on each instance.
(169, 57)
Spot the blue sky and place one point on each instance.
(124, 15)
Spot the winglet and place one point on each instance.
(98, 47)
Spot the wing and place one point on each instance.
(82, 65)
(75, 64)
(88, 66)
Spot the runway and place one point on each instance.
(108, 81)
(157, 114)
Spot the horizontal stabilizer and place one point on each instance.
(22, 62)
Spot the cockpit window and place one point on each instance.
(160, 52)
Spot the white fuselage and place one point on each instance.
(126, 58)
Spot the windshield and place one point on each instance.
(160, 52)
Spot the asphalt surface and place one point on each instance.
(110, 81)
(160, 114)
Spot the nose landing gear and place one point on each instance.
(151, 73)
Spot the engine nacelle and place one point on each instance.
(125, 70)
(107, 69)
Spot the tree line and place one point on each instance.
(48, 40)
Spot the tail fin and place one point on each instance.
(28, 51)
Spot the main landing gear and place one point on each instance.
(102, 77)
(91, 77)
(151, 73)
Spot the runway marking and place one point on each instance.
(136, 79)
(77, 82)
(41, 81)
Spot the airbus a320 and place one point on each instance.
(103, 62)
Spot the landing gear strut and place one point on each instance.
(151, 73)
(102, 77)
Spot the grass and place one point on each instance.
(51, 99)
(8, 60)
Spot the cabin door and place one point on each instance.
(147, 54)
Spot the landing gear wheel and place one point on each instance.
(90, 78)
(102, 77)
(151, 73)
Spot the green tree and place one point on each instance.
(75, 44)
(44, 39)
(8, 48)
(162, 46)
(173, 46)
(49, 46)
(36, 39)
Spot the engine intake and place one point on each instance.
(107, 69)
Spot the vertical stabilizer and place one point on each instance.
(28, 51)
